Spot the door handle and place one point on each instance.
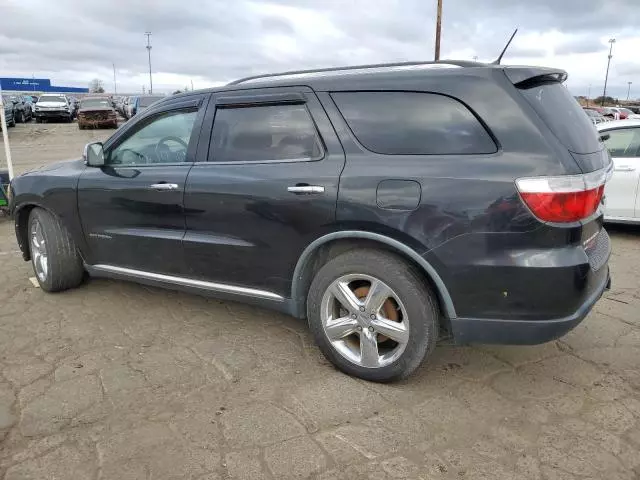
(164, 186)
(624, 168)
(306, 189)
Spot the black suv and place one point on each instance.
(390, 205)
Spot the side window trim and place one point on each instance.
(294, 96)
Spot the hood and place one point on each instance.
(95, 109)
(51, 104)
(68, 164)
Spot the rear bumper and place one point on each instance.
(526, 332)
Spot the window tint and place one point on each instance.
(623, 142)
(562, 114)
(164, 140)
(409, 123)
(264, 133)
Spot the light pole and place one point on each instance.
(475, 58)
(606, 78)
(148, 34)
(588, 94)
(115, 85)
(438, 29)
(628, 89)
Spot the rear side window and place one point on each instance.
(412, 123)
(264, 133)
(563, 115)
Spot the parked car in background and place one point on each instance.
(75, 104)
(622, 199)
(96, 112)
(142, 102)
(22, 110)
(336, 199)
(125, 107)
(594, 116)
(53, 106)
(616, 113)
(9, 112)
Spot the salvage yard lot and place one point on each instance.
(119, 381)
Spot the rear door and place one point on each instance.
(621, 192)
(263, 190)
(132, 208)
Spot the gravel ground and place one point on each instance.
(119, 381)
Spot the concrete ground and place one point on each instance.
(119, 381)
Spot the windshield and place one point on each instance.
(51, 98)
(95, 102)
(146, 101)
(592, 113)
(562, 114)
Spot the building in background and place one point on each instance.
(39, 85)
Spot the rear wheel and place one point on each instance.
(372, 315)
(55, 258)
(18, 117)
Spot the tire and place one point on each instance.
(38, 120)
(64, 269)
(12, 123)
(80, 126)
(410, 300)
(18, 117)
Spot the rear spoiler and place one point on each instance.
(524, 77)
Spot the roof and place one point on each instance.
(618, 124)
(381, 75)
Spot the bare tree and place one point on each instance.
(95, 86)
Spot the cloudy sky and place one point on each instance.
(210, 42)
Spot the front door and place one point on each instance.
(266, 187)
(621, 191)
(132, 208)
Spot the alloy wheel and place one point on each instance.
(39, 251)
(365, 320)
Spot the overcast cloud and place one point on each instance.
(211, 42)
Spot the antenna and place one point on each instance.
(497, 60)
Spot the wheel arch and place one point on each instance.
(21, 223)
(332, 244)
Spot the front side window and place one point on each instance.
(264, 133)
(412, 123)
(624, 142)
(164, 139)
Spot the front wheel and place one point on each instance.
(18, 117)
(372, 315)
(55, 258)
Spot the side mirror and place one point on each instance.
(93, 154)
(604, 137)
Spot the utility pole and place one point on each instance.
(143, 92)
(148, 34)
(588, 95)
(115, 85)
(606, 78)
(191, 84)
(475, 58)
(628, 89)
(438, 30)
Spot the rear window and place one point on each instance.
(563, 115)
(412, 123)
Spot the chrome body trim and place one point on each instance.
(188, 282)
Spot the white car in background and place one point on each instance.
(622, 198)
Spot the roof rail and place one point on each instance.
(457, 63)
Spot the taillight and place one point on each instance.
(566, 198)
